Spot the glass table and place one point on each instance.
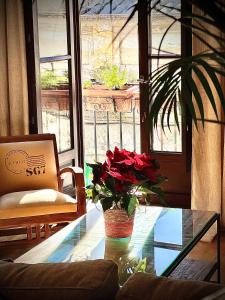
(161, 240)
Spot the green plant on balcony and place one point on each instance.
(113, 78)
(87, 84)
(49, 80)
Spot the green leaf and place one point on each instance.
(181, 102)
(132, 205)
(189, 103)
(157, 83)
(142, 265)
(166, 92)
(98, 187)
(96, 199)
(176, 114)
(169, 111)
(89, 193)
(158, 191)
(169, 99)
(161, 178)
(206, 87)
(164, 112)
(215, 82)
(198, 98)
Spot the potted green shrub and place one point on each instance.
(51, 81)
(110, 82)
(113, 78)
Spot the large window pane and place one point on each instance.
(169, 139)
(110, 74)
(55, 102)
(160, 22)
(97, 7)
(52, 27)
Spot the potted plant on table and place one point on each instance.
(117, 183)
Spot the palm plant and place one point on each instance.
(165, 83)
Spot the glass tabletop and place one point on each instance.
(159, 237)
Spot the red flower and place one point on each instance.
(126, 177)
(99, 173)
(139, 163)
(125, 170)
(117, 175)
(109, 156)
(121, 188)
(121, 175)
(104, 172)
(120, 157)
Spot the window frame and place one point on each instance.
(167, 159)
(75, 154)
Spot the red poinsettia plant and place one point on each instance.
(122, 177)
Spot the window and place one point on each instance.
(110, 72)
(52, 60)
(160, 54)
(55, 66)
(171, 147)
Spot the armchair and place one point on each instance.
(31, 185)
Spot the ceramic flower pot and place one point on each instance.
(118, 224)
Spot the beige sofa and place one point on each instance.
(94, 280)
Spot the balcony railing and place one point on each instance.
(111, 118)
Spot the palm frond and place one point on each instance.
(175, 108)
(198, 99)
(206, 87)
(166, 82)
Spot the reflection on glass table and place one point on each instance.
(161, 239)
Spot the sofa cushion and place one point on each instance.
(145, 286)
(87, 280)
(34, 203)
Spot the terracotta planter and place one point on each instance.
(118, 224)
(98, 98)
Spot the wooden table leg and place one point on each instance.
(29, 232)
(47, 230)
(38, 232)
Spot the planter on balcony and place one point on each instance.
(99, 98)
(55, 99)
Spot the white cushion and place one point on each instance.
(35, 202)
(34, 198)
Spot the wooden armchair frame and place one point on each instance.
(47, 219)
